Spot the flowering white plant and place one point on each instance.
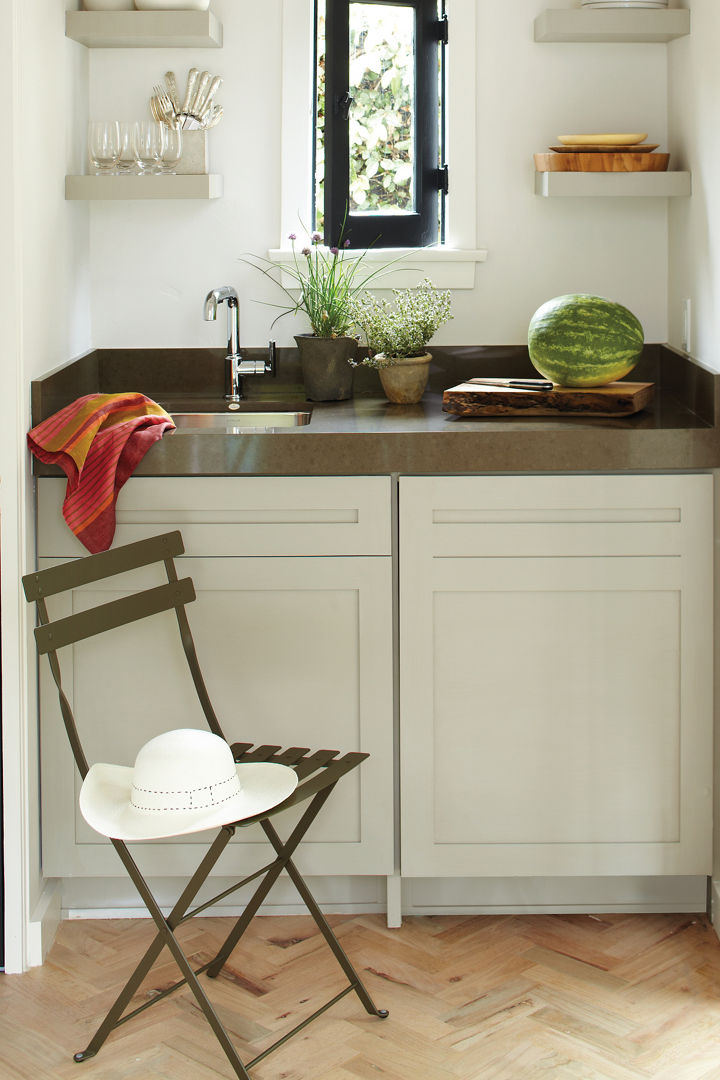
(403, 329)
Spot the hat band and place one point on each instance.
(200, 798)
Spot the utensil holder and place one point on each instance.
(194, 160)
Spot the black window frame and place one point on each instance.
(415, 229)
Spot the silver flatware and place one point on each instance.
(212, 91)
(171, 83)
(214, 117)
(189, 90)
(199, 95)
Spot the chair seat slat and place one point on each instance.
(328, 776)
(316, 761)
(127, 609)
(261, 753)
(71, 575)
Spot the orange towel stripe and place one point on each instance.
(98, 441)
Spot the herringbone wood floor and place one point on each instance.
(583, 997)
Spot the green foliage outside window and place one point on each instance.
(382, 76)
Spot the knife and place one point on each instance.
(515, 384)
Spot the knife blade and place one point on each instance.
(515, 384)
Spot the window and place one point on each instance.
(451, 264)
(379, 121)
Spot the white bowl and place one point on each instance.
(603, 139)
(108, 5)
(625, 3)
(172, 5)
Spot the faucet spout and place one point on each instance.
(235, 366)
(232, 359)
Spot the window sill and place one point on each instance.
(447, 268)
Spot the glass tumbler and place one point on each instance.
(149, 142)
(172, 150)
(127, 162)
(103, 145)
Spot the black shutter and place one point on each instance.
(413, 229)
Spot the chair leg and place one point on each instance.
(323, 925)
(267, 883)
(284, 853)
(166, 936)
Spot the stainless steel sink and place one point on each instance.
(240, 423)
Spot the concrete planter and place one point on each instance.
(326, 369)
(405, 380)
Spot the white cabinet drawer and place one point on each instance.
(237, 515)
(556, 516)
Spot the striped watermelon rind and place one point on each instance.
(584, 340)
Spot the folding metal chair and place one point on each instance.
(317, 772)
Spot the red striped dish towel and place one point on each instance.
(98, 441)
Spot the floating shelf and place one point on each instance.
(144, 29)
(641, 184)
(611, 25)
(117, 188)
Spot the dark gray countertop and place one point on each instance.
(367, 435)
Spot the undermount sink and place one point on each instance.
(238, 423)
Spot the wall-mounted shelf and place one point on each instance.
(611, 25)
(118, 188)
(641, 184)
(144, 29)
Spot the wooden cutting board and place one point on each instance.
(616, 399)
(627, 162)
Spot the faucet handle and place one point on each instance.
(271, 362)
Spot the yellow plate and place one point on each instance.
(604, 139)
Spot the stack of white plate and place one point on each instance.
(625, 3)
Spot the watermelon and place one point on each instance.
(584, 340)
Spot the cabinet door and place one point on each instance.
(295, 651)
(556, 675)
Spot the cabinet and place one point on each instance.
(293, 626)
(555, 667)
(556, 675)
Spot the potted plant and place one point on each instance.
(397, 336)
(328, 280)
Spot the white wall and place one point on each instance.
(45, 318)
(153, 263)
(694, 108)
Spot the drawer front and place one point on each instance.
(556, 516)
(249, 516)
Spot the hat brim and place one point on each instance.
(106, 792)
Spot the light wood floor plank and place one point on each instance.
(570, 997)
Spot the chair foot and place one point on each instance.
(84, 1055)
(382, 1013)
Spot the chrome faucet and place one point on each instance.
(235, 366)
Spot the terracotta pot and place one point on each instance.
(326, 369)
(405, 381)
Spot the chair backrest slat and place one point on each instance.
(71, 575)
(128, 609)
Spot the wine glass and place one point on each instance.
(172, 150)
(103, 145)
(149, 142)
(127, 159)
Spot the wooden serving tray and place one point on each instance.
(622, 162)
(616, 399)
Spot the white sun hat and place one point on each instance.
(183, 781)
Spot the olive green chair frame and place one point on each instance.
(317, 772)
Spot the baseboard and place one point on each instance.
(43, 924)
(715, 906)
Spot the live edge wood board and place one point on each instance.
(616, 399)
